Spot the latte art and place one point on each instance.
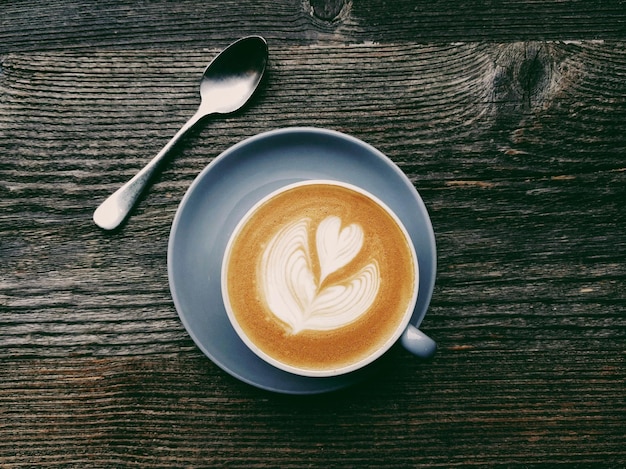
(294, 294)
(319, 278)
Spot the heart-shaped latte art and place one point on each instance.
(292, 292)
(336, 247)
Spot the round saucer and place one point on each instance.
(228, 187)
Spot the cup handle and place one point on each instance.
(418, 343)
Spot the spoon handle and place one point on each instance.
(114, 210)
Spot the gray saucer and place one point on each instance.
(229, 186)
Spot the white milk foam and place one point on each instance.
(292, 292)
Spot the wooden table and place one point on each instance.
(508, 117)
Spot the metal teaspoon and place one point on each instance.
(227, 84)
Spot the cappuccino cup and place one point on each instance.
(320, 278)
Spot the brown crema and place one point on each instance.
(384, 242)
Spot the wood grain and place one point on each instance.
(517, 149)
(30, 25)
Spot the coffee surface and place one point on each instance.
(320, 277)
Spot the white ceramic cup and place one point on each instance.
(412, 338)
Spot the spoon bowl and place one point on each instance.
(230, 79)
(227, 84)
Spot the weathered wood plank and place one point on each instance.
(174, 411)
(78, 24)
